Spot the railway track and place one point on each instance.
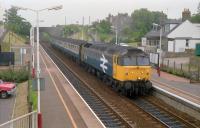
(166, 119)
(110, 112)
(108, 117)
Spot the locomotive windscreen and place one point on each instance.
(143, 61)
(133, 61)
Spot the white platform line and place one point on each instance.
(178, 97)
(167, 85)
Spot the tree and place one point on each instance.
(143, 20)
(70, 30)
(196, 17)
(16, 23)
(103, 28)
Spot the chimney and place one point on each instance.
(186, 14)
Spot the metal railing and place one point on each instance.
(26, 121)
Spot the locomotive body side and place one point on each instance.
(98, 60)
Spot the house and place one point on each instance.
(177, 35)
(152, 38)
(185, 36)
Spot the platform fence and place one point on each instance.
(188, 70)
(26, 121)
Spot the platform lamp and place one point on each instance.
(160, 48)
(116, 34)
(32, 50)
(37, 49)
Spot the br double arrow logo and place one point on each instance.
(103, 64)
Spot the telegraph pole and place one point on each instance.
(82, 27)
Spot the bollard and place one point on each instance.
(39, 120)
(158, 71)
(33, 72)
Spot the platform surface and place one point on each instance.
(61, 106)
(177, 85)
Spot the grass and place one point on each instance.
(34, 100)
(32, 96)
(11, 39)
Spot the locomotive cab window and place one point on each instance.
(127, 61)
(143, 61)
(133, 61)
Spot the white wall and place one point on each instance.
(180, 45)
(144, 41)
(192, 43)
(170, 46)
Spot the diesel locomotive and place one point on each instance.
(126, 69)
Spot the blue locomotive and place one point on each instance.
(126, 69)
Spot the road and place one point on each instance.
(6, 109)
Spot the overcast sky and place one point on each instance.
(74, 10)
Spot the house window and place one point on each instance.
(187, 43)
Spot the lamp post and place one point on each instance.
(116, 37)
(82, 28)
(160, 47)
(32, 50)
(37, 53)
(160, 42)
(116, 34)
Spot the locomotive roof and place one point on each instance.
(117, 49)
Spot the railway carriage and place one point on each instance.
(69, 47)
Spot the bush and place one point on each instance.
(17, 76)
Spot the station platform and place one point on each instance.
(61, 105)
(178, 86)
